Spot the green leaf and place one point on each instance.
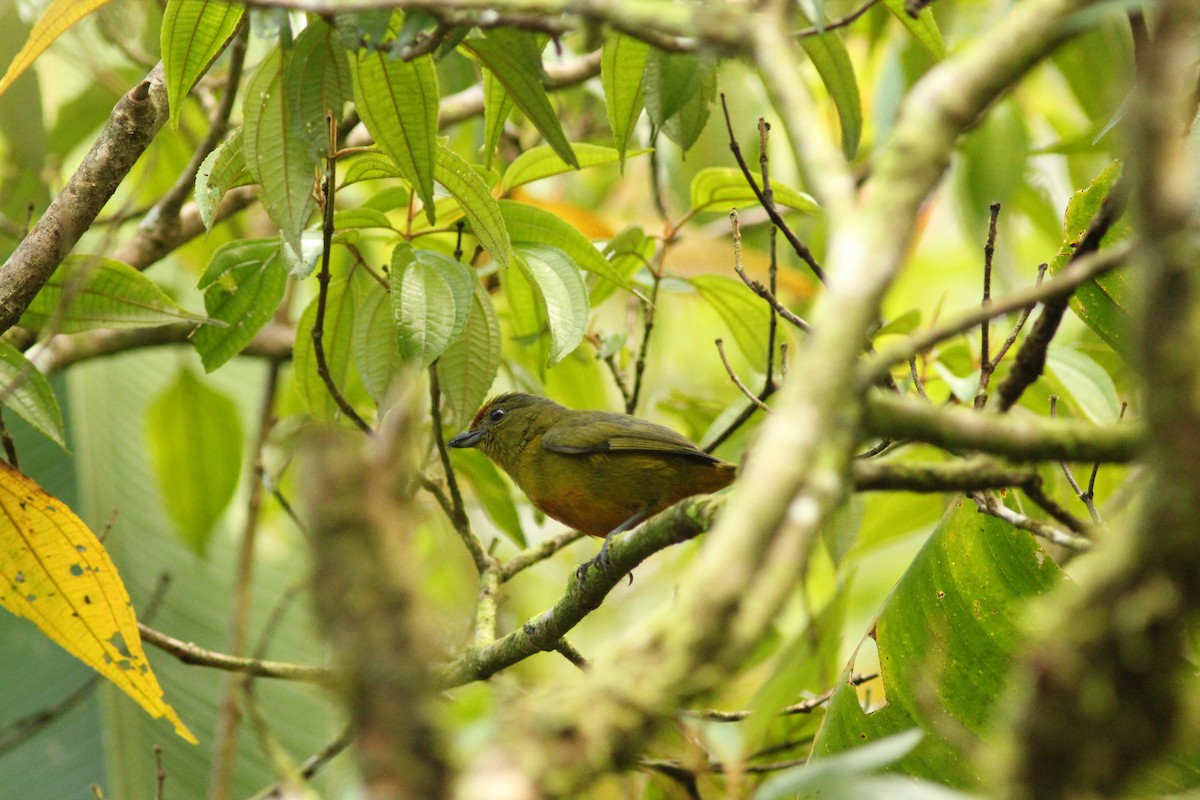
(103, 294)
(492, 491)
(468, 367)
(243, 285)
(195, 444)
(828, 54)
(622, 63)
(747, 316)
(431, 301)
(848, 775)
(355, 218)
(27, 392)
(194, 32)
(727, 187)
(992, 163)
(1104, 304)
(337, 344)
(514, 58)
(369, 167)
(924, 27)
(680, 88)
(535, 225)
(946, 636)
(398, 102)
(221, 170)
(1086, 382)
(627, 252)
(375, 350)
(317, 81)
(275, 155)
(561, 293)
(477, 203)
(497, 104)
(542, 162)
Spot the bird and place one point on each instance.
(597, 472)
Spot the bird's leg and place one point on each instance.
(601, 559)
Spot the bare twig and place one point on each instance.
(457, 511)
(989, 503)
(733, 376)
(986, 367)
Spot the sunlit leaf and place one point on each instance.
(726, 187)
(369, 167)
(477, 203)
(528, 223)
(26, 391)
(923, 27)
(963, 593)
(223, 169)
(622, 64)
(195, 445)
(276, 155)
(431, 301)
(562, 295)
(627, 252)
(56, 574)
(102, 293)
(194, 32)
(497, 104)
(542, 162)
(747, 316)
(60, 15)
(398, 102)
(514, 58)
(468, 367)
(353, 218)
(243, 285)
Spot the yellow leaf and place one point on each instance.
(55, 572)
(61, 15)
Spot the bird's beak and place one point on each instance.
(466, 439)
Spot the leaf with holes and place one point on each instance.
(56, 573)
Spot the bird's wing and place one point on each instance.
(625, 434)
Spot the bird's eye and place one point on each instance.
(496, 414)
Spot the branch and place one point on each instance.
(190, 653)
(129, 130)
(1024, 438)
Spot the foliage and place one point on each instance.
(388, 215)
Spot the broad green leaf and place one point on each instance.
(398, 102)
(497, 104)
(946, 636)
(375, 349)
(102, 294)
(56, 573)
(276, 155)
(431, 301)
(528, 223)
(221, 170)
(526, 319)
(904, 324)
(726, 187)
(622, 64)
(924, 27)
(492, 491)
(828, 54)
(243, 285)
(747, 316)
(317, 81)
(58, 16)
(477, 203)
(389, 198)
(562, 295)
(368, 26)
(1102, 303)
(542, 162)
(303, 262)
(369, 167)
(680, 88)
(194, 438)
(1086, 382)
(26, 391)
(194, 32)
(468, 367)
(336, 343)
(514, 58)
(353, 218)
(849, 774)
(627, 252)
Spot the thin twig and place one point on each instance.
(802, 707)
(537, 553)
(838, 23)
(10, 447)
(733, 376)
(568, 651)
(160, 773)
(986, 367)
(989, 503)
(190, 653)
(769, 204)
(457, 511)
